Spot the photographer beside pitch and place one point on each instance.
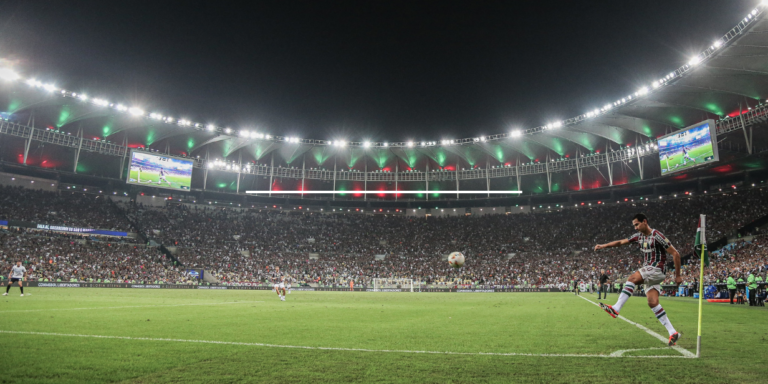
(654, 246)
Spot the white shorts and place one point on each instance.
(280, 285)
(652, 277)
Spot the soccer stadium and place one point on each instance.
(145, 241)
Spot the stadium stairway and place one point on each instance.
(143, 236)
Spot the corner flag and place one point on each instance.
(700, 245)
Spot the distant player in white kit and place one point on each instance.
(654, 247)
(162, 177)
(17, 275)
(687, 157)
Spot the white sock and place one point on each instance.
(661, 314)
(625, 294)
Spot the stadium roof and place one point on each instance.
(727, 79)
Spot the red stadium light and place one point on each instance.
(686, 192)
(626, 199)
(599, 202)
(582, 203)
(299, 207)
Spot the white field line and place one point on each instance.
(127, 306)
(685, 352)
(617, 354)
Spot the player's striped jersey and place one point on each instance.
(654, 248)
(275, 277)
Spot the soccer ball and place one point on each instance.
(456, 259)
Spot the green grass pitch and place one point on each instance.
(153, 177)
(698, 153)
(197, 336)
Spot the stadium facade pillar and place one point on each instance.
(549, 175)
(457, 180)
(31, 125)
(517, 173)
(29, 141)
(747, 137)
(271, 172)
(79, 147)
(426, 178)
(397, 172)
(205, 170)
(487, 176)
(334, 177)
(125, 154)
(578, 169)
(365, 178)
(608, 163)
(303, 173)
(239, 168)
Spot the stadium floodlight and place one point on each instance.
(367, 144)
(695, 60)
(655, 84)
(228, 130)
(121, 108)
(8, 74)
(385, 144)
(100, 102)
(49, 87)
(718, 43)
(517, 133)
(82, 96)
(642, 91)
(410, 144)
(244, 133)
(136, 111)
(341, 143)
(557, 124)
(211, 127)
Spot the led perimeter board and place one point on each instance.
(160, 171)
(691, 147)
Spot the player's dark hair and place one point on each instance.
(640, 217)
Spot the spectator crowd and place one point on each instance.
(241, 246)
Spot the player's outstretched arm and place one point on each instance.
(612, 244)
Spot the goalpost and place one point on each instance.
(392, 283)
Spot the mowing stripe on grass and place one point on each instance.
(685, 352)
(616, 354)
(127, 306)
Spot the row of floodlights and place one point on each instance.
(10, 75)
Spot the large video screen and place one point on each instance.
(160, 171)
(691, 147)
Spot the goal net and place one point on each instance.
(379, 284)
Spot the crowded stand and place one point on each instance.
(64, 208)
(50, 257)
(240, 246)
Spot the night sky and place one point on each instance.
(361, 70)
